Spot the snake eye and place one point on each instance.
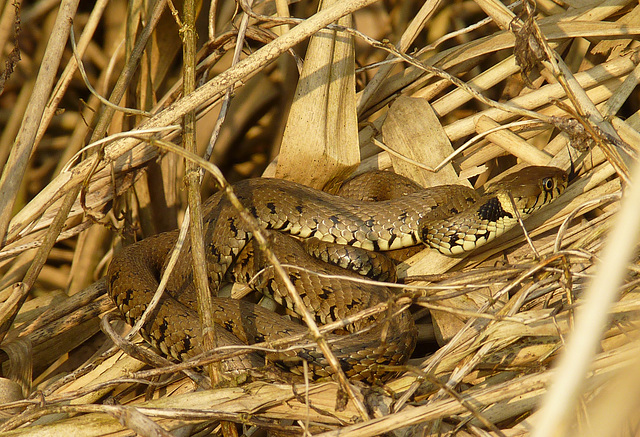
(547, 184)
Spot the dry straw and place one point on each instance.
(441, 92)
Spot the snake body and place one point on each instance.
(451, 218)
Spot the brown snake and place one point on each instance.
(454, 219)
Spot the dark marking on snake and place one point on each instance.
(332, 313)
(492, 210)
(325, 293)
(376, 246)
(271, 286)
(414, 238)
(232, 226)
(345, 365)
(393, 237)
(114, 278)
(272, 208)
(229, 325)
(127, 296)
(294, 278)
(163, 327)
(186, 342)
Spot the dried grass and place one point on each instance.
(469, 89)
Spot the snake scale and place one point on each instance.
(453, 219)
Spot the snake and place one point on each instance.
(452, 219)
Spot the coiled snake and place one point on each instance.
(453, 219)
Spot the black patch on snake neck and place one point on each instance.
(299, 208)
(454, 211)
(272, 207)
(492, 210)
(334, 219)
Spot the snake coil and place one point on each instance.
(453, 219)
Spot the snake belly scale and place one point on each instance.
(452, 219)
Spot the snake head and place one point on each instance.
(532, 187)
(517, 195)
